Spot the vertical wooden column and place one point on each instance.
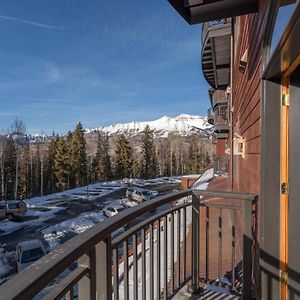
(284, 194)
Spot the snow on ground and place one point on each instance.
(54, 233)
(90, 192)
(39, 216)
(44, 212)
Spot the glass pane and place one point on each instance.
(284, 14)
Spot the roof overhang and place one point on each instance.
(199, 11)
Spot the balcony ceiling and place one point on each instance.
(215, 56)
(199, 11)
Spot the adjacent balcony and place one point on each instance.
(211, 116)
(184, 240)
(221, 124)
(218, 97)
(215, 56)
(199, 11)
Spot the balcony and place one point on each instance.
(221, 125)
(215, 56)
(199, 11)
(192, 244)
(211, 116)
(218, 97)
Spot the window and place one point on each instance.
(13, 205)
(32, 255)
(283, 13)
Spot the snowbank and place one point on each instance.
(202, 182)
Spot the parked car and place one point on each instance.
(129, 192)
(110, 211)
(12, 209)
(140, 195)
(128, 203)
(28, 252)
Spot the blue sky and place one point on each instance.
(98, 62)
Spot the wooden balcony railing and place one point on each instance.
(152, 258)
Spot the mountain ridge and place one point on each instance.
(183, 124)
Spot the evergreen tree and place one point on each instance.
(194, 165)
(9, 156)
(149, 163)
(136, 169)
(61, 165)
(78, 158)
(24, 182)
(103, 158)
(2, 145)
(50, 179)
(124, 160)
(71, 159)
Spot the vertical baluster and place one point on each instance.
(165, 257)
(184, 244)
(220, 245)
(158, 261)
(100, 274)
(143, 265)
(97, 284)
(172, 253)
(207, 245)
(84, 284)
(126, 281)
(116, 273)
(247, 250)
(195, 242)
(70, 294)
(178, 245)
(135, 270)
(93, 263)
(233, 248)
(151, 263)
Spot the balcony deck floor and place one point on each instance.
(207, 294)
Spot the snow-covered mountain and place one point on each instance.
(183, 124)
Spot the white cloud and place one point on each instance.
(28, 22)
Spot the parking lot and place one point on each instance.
(56, 218)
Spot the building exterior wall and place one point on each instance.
(220, 147)
(246, 97)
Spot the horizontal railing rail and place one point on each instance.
(153, 252)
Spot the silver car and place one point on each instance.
(110, 211)
(28, 252)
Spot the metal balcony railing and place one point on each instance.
(154, 257)
(214, 25)
(219, 97)
(221, 165)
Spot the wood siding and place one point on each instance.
(246, 97)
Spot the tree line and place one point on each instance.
(45, 167)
